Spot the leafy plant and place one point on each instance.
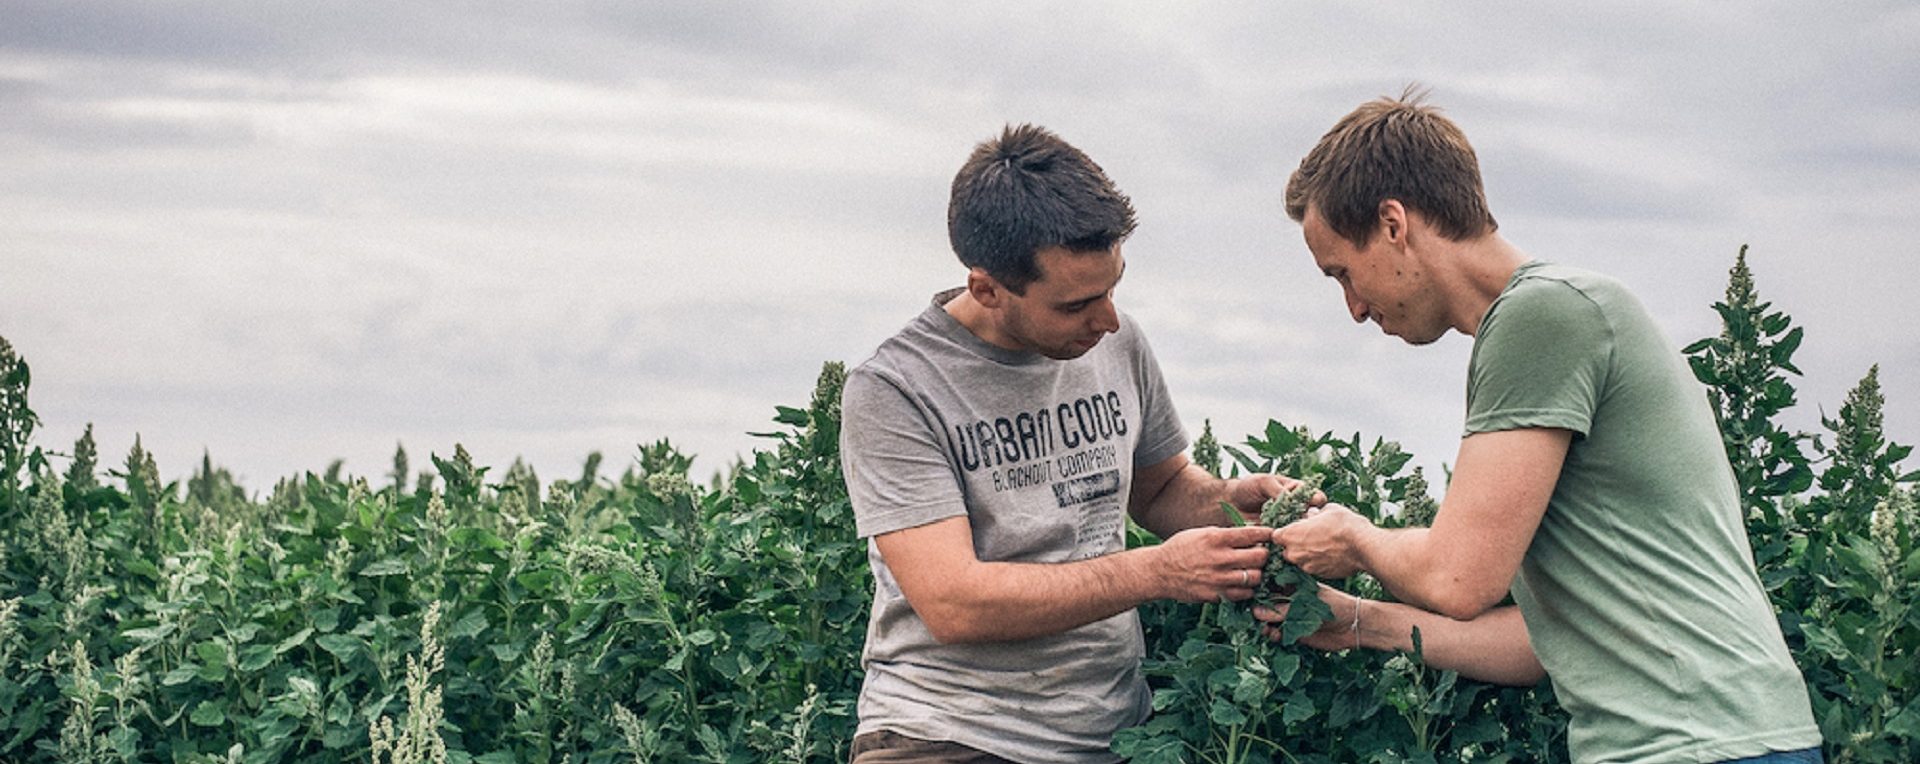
(475, 615)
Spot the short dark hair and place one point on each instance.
(1392, 148)
(1026, 191)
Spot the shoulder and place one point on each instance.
(1549, 282)
(1556, 294)
(1130, 337)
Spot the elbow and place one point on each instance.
(948, 632)
(952, 625)
(1465, 602)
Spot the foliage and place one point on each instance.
(456, 614)
(640, 619)
(1224, 694)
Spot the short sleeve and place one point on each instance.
(1162, 435)
(1540, 360)
(898, 476)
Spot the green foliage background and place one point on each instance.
(455, 615)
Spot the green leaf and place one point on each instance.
(256, 657)
(150, 634)
(1285, 665)
(125, 741)
(1906, 723)
(469, 625)
(792, 416)
(538, 581)
(211, 653)
(244, 633)
(1225, 714)
(1299, 708)
(342, 646)
(299, 638)
(210, 713)
(702, 637)
(1305, 613)
(181, 675)
(390, 566)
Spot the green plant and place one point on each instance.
(647, 616)
(1224, 693)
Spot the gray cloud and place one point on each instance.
(288, 234)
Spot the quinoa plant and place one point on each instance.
(635, 613)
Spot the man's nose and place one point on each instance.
(1355, 307)
(1106, 316)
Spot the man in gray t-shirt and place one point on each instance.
(994, 450)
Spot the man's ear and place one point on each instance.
(1393, 221)
(984, 288)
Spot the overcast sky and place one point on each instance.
(289, 233)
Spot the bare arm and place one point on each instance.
(963, 599)
(1175, 495)
(1493, 647)
(1465, 563)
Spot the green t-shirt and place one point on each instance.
(1638, 590)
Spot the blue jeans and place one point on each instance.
(1804, 756)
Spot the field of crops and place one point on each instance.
(456, 613)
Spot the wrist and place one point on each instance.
(1142, 573)
(1361, 537)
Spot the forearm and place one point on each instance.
(1190, 499)
(1415, 566)
(1491, 648)
(1008, 601)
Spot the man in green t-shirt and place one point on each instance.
(1590, 483)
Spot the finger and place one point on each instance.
(1242, 576)
(1245, 536)
(1319, 498)
(1253, 557)
(1237, 593)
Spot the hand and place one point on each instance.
(1208, 564)
(1324, 544)
(1250, 493)
(1342, 632)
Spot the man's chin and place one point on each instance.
(1419, 340)
(1072, 351)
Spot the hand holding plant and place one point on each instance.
(1324, 543)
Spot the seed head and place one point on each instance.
(1206, 450)
(1890, 515)
(1291, 504)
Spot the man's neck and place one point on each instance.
(1480, 271)
(973, 316)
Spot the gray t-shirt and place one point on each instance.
(1039, 455)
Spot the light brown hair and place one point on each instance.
(1392, 148)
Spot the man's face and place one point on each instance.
(1381, 283)
(1070, 307)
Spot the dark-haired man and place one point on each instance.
(1590, 483)
(994, 449)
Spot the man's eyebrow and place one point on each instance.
(1071, 304)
